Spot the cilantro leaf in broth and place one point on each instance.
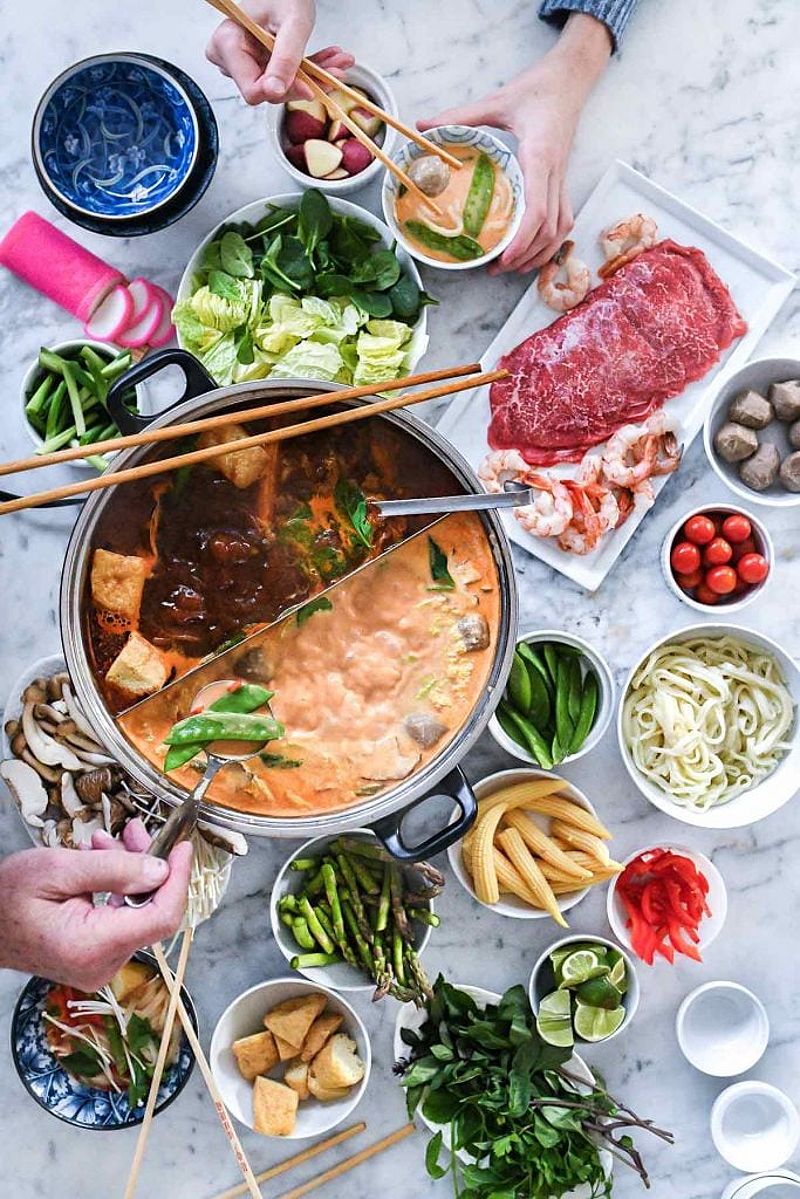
(442, 579)
(352, 503)
(320, 604)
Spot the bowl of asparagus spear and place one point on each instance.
(348, 916)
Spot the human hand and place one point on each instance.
(260, 75)
(49, 926)
(541, 107)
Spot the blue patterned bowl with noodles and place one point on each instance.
(68, 1098)
(115, 137)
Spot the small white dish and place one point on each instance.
(510, 905)
(722, 1029)
(763, 543)
(378, 90)
(778, 1184)
(340, 976)
(456, 135)
(542, 981)
(710, 926)
(244, 1016)
(605, 697)
(754, 1126)
(756, 375)
(766, 797)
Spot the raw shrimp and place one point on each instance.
(501, 467)
(586, 528)
(552, 510)
(625, 240)
(635, 453)
(561, 296)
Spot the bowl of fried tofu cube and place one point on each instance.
(291, 1059)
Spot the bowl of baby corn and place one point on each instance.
(535, 849)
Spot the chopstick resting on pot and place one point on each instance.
(113, 445)
(310, 72)
(146, 470)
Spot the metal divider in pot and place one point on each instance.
(385, 811)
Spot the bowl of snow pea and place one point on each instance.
(558, 701)
(347, 915)
(64, 397)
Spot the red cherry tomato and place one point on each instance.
(721, 580)
(717, 552)
(685, 558)
(699, 529)
(736, 528)
(753, 569)
(704, 595)
(687, 582)
(748, 546)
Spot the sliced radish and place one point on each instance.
(111, 316)
(166, 329)
(141, 294)
(141, 331)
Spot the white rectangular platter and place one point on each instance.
(758, 286)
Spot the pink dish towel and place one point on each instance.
(56, 265)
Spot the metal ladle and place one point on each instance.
(182, 819)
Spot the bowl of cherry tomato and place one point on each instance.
(717, 557)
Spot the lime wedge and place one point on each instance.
(553, 1022)
(581, 965)
(599, 992)
(596, 1023)
(618, 975)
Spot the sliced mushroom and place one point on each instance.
(50, 834)
(55, 685)
(49, 773)
(223, 838)
(70, 800)
(11, 728)
(44, 747)
(75, 711)
(425, 729)
(18, 744)
(90, 786)
(25, 785)
(35, 692)
(83, 826)
(474, 631)
(49, 713)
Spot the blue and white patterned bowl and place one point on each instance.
(456, 135)
(115, 137)
(66, 1097)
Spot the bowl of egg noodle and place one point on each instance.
(708, 725)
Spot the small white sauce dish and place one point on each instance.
(710, 926)
(778, 1184)
(605, 697)
(763, 544)
(244, 1016)
(722, 1029)
(542, 980)
(754, 1126)
(456, 135)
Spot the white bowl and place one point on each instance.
(754, 1126)
(340, 976)
(776, 1184)
(710, 926)
(749, 806)
(605, 698)
(764, 546)
(456, 135)
(376, 87)
(510, 905)
(245, 1016)
(538, 987)
(253, 212)
(756, 375)
(722, 1029)
(412, 1017)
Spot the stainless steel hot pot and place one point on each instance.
(383, 813)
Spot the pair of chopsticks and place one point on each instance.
(312, 75)
(148, 436)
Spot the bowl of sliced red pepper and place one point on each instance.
(668, 901)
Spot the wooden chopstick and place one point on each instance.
(173, 432)
(297, 1160)
(147, 469)
(234, 13)
(208, 1077)
(349, 1163)
(158, 1070)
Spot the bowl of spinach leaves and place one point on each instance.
(302, 286)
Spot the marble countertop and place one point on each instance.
(704, 99)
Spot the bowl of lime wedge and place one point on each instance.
(583, 990)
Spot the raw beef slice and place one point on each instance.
(640, 337)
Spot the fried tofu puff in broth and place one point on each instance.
(370, 683)
(183, 563)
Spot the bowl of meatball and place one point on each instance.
(752, 432)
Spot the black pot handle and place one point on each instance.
(453, 786)
(196, 377)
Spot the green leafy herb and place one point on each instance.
(223, 285)
(275, 761)
(351, 501)
(235, 255)
(320, 604)
(83, 1062)
(442, 579)
(316, 219)
(243, 340)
